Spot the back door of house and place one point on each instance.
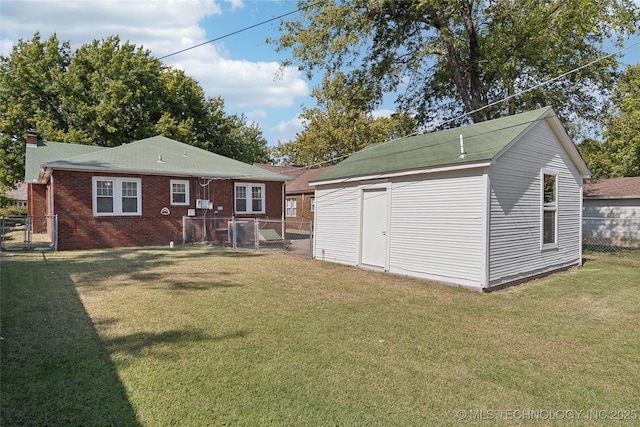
(374, 227)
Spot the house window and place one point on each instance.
(549, 209)
(250, 198)
(292, 207)
(179, 192)
(117, 196)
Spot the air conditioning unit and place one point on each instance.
(242, 232)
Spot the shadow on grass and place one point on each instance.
(55, 368)
(145, 344)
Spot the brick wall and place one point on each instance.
(303, 207)
(78, 228)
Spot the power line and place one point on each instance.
(233, 33)
(539, 84)
(546, 82)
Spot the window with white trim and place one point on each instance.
(117, 196)
(249, 198)
(179, 192)
(292, 207)
(549, 209)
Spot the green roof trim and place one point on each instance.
(158, 155)
(482, 142)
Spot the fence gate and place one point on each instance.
(22, 232)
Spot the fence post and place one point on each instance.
(27, 232)
(311, 239)
(54, 234)
(256, 233)
(233, 233)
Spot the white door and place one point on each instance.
(374, 227)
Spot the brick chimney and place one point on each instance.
(32, 138)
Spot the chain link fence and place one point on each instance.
(22, 232)
(249, 233)
(613, 235)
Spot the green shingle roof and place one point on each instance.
(158, 156)
(47, 151)
(482, 142)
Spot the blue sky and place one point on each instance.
(241, 68)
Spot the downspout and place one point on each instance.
(54, 221)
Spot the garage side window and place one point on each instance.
(549, 209)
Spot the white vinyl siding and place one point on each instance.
(515, 228)
(437, 227)
(336, 224)
(612, 221)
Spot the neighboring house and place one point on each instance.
(480, 206)
(611, 212)
(18, 195)
(138, 193)
(299, 195)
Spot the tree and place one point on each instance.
(622, 129)
(337, 127)
(618, 155)
(108, 93)
(449, 57)
(29, 96)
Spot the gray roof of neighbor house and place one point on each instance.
(612, 188)
(152, 156)
(483, 142)
(19, 194)
(300, 177)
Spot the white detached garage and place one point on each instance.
(480, 206)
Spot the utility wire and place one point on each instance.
(540, 84)
(546, 82)
(275, 18)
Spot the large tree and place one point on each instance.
(445, 58)
(337, 127)
(618, 155)
(108, 93)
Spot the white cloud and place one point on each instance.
(286, 130)
(163, 27)
(256, 114)
(383, 112)
(236, 4)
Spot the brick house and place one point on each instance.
(299, 195)
(138, 193)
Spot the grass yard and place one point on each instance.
(198, 335)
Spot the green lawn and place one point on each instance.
(198, 335)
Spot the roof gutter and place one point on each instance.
(62, 166)
(402, 173)
(612, 197)
(44, 174)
